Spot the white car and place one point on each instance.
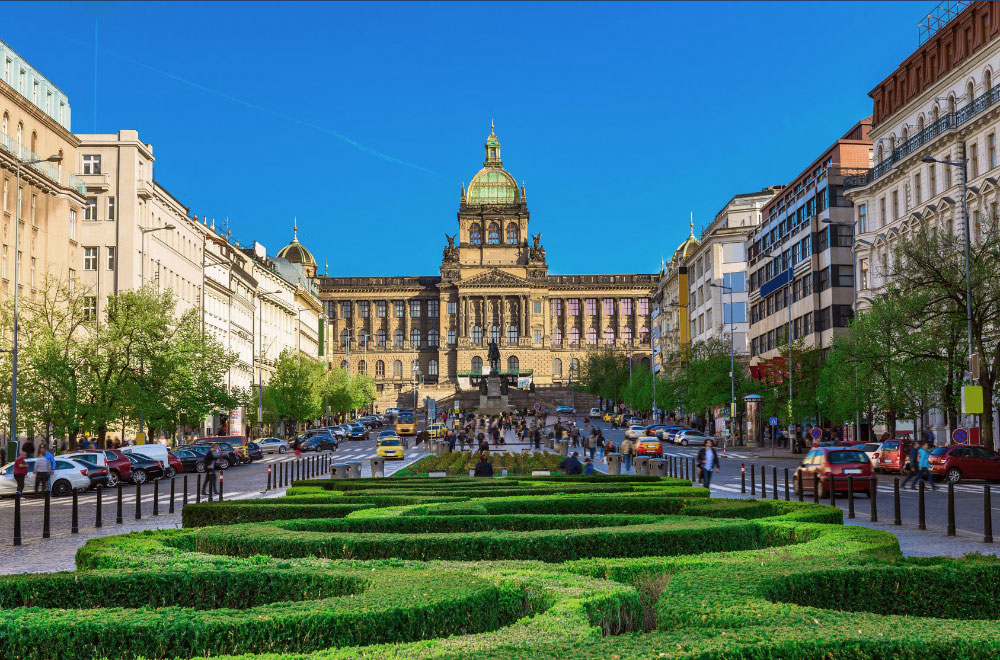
(635, 432)
(97, 457)
(686, 438)
(68, 476)
(595, 412)
(871, 449)
(273, 445)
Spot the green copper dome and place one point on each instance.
(493, 184)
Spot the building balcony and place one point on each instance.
(96, 183)
(77, 184)
(144, 190)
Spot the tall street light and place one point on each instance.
(260, 362)
(17, 284)
(142, 258)
(962, 164)
(732, 355)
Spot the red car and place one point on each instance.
(956, 462)
(118, 465)
(175, 467)
(836, 464)
(893, 455)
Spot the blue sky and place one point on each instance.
(363, 119)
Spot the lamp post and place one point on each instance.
(142, 272)
(17, 283)
(260, 362)
(732, 354)
(962, 164)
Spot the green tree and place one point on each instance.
(295, 391)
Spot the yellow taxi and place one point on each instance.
(648, 446)
(607, 417)
(436, 430)
(390, 446)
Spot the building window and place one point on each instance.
(974, 161)
(573, 306)
(331, 309)
(735, 281)
(345, 337)
(513, 234)
(398, 309)
(557, 368)
(433, 306)
(363, 338)
(591, 336)
(735, 313)
(608, 307)
(432, 368)
(451, 307)
(363, 309)
(111, 258)
(556, 336)
(397, 338)
(380, 309)
(864, 274)
(90, 258)
(947, 169)
(495, 333)
(644, 335)
(3, 264)
(433, 337)
(917, 192)
(362, 368)
(991, 149)
(397, 369)
(931, 179)
(626, 335)
(574, 337)
(111, 208)
(477, 364)
(345, 309)
(475, 234)
(537, 336)
(881, 212)
(72, 225)
(493, 235)
(512, 334)
(643, 304)
(91, 164)
(90, 213)
(625, 306)
(536, 307)
(380, 338)
(895, 205)
(452, 338)
(863, 218)
(556, 304)
(72, 279)
(90, 308)
(415, 309)
(512, 364)
(609, 336)
(380, 369)
(477, 335)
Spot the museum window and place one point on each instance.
(432, 368)
(626, 335)
(625, 306)
(591, 306)
(415, 338)
(451, 308)
(475, 234)
(331, 309)
(538, 336)
(345, 337)
(380, 369)
(477, 335)
(493, 235)
(380, 338)
(363, 338)
(345, 309)
(415, 309)
(363, 306)
(556, 337)
(380, 309)
(608, 308)
(556, 304)
(573, 305)
(415, 367)
(362, 368)
(574, 368)
(477, 364)
(397, 338)
(398, 309)
(591, 336)
(574, 337)
(536, 307)
(495, 333)
(512, 334)
(452, 338)
(557, 368)
(513, 234)
(609, 337)
(644, 335)
(397, 369)
(433, 337)
(433, 306)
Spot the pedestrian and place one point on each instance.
(910, 465)
(599, 443)
(575, 435)
(588, 467)
(21, 470)
(570, 465)
(924, 464)
(483, 467)
(451, 441)
(626, 452)
(43, 470)
(708, 462)
(536, 438)
(209, 462)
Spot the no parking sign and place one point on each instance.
(816, 433)
(960, 436)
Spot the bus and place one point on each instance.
(406, 423)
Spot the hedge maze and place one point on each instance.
(517, 568)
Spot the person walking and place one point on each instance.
(912, 462)
(626, 452)
(570, 465)
(208, 487)
(588, 467)
(599, 442)
(483, 467)
(708, 461)
(924, 465)
(21, 470)
(43, 470)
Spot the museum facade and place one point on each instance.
(432, 333)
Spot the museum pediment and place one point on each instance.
(495, 278)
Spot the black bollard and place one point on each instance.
(802, 493)
(17, 518)
(753, 480)
(184, 499)
(774, 484)
(118, 514)
(268, 479)
(220, 485)
(743, 477)
(787, 494)
(46, 515)
(172, 494)
(197, 489)
(138, 501)
(951, 509)
(987, 516)
(763, 483)
(921, 512)
(895, 501)
(99, 522)
(75, 515)
(873, 496)
(156, 497)
(850, 496)
(833, 491)
(815, 488)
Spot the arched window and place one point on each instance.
(362, 368)
(493, 235)
(380, 369)
(432, 337)
(920, 124)
(380, 338)
(644, 335)
(557, 368)
(574, 367)
(432, 368)
(988, 84)
(556, 336)
(495, 333)
(475, 234)
(345, 336)
(397, 369)
(970, 91)
(397, 338)
(880, 156)
(415, 338)
(34, 142)
(626, 335)
(363, 339)
(906, 135)
(936, 113)
(512, 364)
(892, 143)
(477, 364)
(512, 334)
(20, 139)
(415, 367)
(609, 336)
(574, 336)
(477, 335)
(6, 118)
(591, 336)
(644, 361)
(951, 104)
(513, 234)
(452, 338)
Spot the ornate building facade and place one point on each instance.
(431, 333)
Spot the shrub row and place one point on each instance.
(460, 462)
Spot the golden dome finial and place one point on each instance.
(492, 127)
(295, 228)
(692, 223)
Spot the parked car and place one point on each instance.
(318, 443)
(833, 465)
(565, 410)
(649, 446)
(67, 476)
(956, 462)
(227, 455)
(635, 432)
(436, 430)
(191, 461)
(672, 433)
(237, 443)
(273, 445)
(174, 466)
(357, 432)
(330, 441)
(119, 467)
(663, 433)
(690, 437)
(595, 412)
(144, 468)
(98, 474)
(152, 450)
(256, 453)
(390, 447)
(893, 455)
(871, 449)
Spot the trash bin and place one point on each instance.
(614, 463)
(340, 470)
(657, 467)
(642, 465)
(378, 466)
(563, 448)
(355, 469)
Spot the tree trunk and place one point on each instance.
(986, 419)
(102, 436)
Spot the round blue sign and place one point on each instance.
(960, 436)
(816, 433)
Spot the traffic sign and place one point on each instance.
(816, 433)
(537, 407)
(774, 421)
(960, 436)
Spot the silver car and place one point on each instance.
(273, 445)
(67, 477)
(686, 438)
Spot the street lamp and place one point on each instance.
(965, 212)
(17, 283)
(260, 362)
(732, 354)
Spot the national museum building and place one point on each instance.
(494, 284)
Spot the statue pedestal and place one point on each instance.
(493, 402)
